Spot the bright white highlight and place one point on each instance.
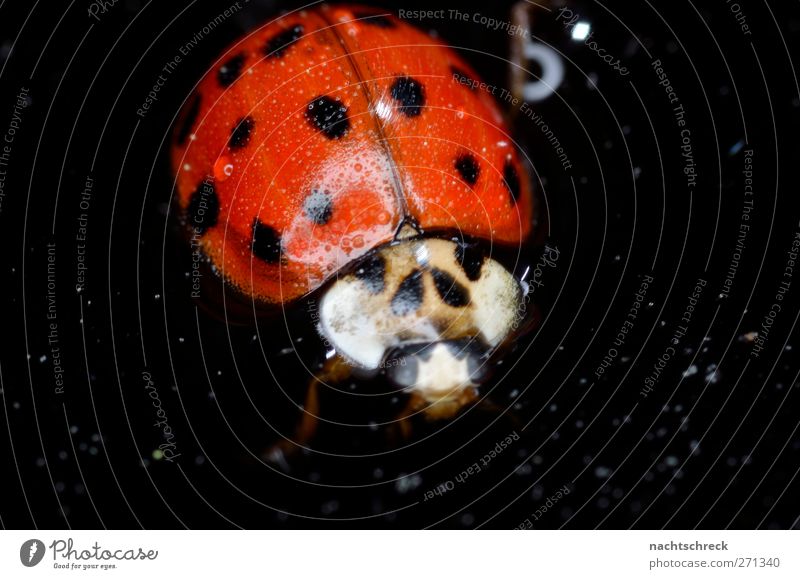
(580, 31)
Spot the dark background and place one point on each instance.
(714, 445)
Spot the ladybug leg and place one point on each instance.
(488, 406)
(401, 430)
(334, 371)
(444, 409)
(402, 427)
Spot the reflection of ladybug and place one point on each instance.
(344, 143)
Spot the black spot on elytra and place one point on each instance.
(468, 168)
(203, 209)
(240, 134)
(372, 271)
(461, 77)
(511, 180)
(470, 258)
(187, 123)
(318, 207)
(452, 293)
(328, 116)
(409, 94)
(277, 46)
(231, 70)
(266, 242)
(379, 20)
(408, 297)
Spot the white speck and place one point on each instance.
(408, 483)
(330, 507)
(737, 146)
(581, 30)
(187, 167)
(601, 472)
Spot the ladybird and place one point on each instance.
(342, 151)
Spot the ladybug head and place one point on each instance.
(429, 312)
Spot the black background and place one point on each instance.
(714, 445)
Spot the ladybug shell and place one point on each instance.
(314, 137)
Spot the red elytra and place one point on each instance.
(316, 135)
